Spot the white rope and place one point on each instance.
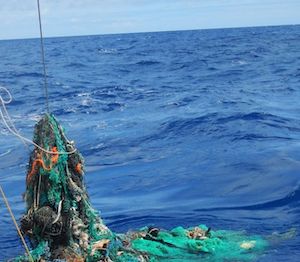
(7, 121)
(3, 102)
(58, 212)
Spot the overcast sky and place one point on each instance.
(84, 17)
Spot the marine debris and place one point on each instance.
(62, 225)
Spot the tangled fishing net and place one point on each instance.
(62, 225)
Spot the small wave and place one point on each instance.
(55, 54)
(75, 65)
(297, 72)
(279, 70)
(261, 50)
(147, 62)
(124, 70)
(107, 50)
(61, 85)
(193, 64)
(230, 73)
(84, 94)
(252, 116)
(183, 126)
(99, 146)
(64, 111)
(292, 200)
(30, 74)
(131, 221)
(187, 123)
(239, 62)
(126, 49)
(257, 137)
(104, 95)
(212, 124)
(211, 68)
(183, 102)
(16, 103)
(87, 102)
(113, 106)
(283, 90)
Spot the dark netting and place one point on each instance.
(62, 225)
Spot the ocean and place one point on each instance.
(176, 128)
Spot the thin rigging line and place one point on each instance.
(43, 59)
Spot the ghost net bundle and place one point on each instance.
(62, 225)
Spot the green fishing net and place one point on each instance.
(62, 225)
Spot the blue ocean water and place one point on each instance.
(177, 128)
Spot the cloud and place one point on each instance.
(76, 17)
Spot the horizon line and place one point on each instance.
(143, 32)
